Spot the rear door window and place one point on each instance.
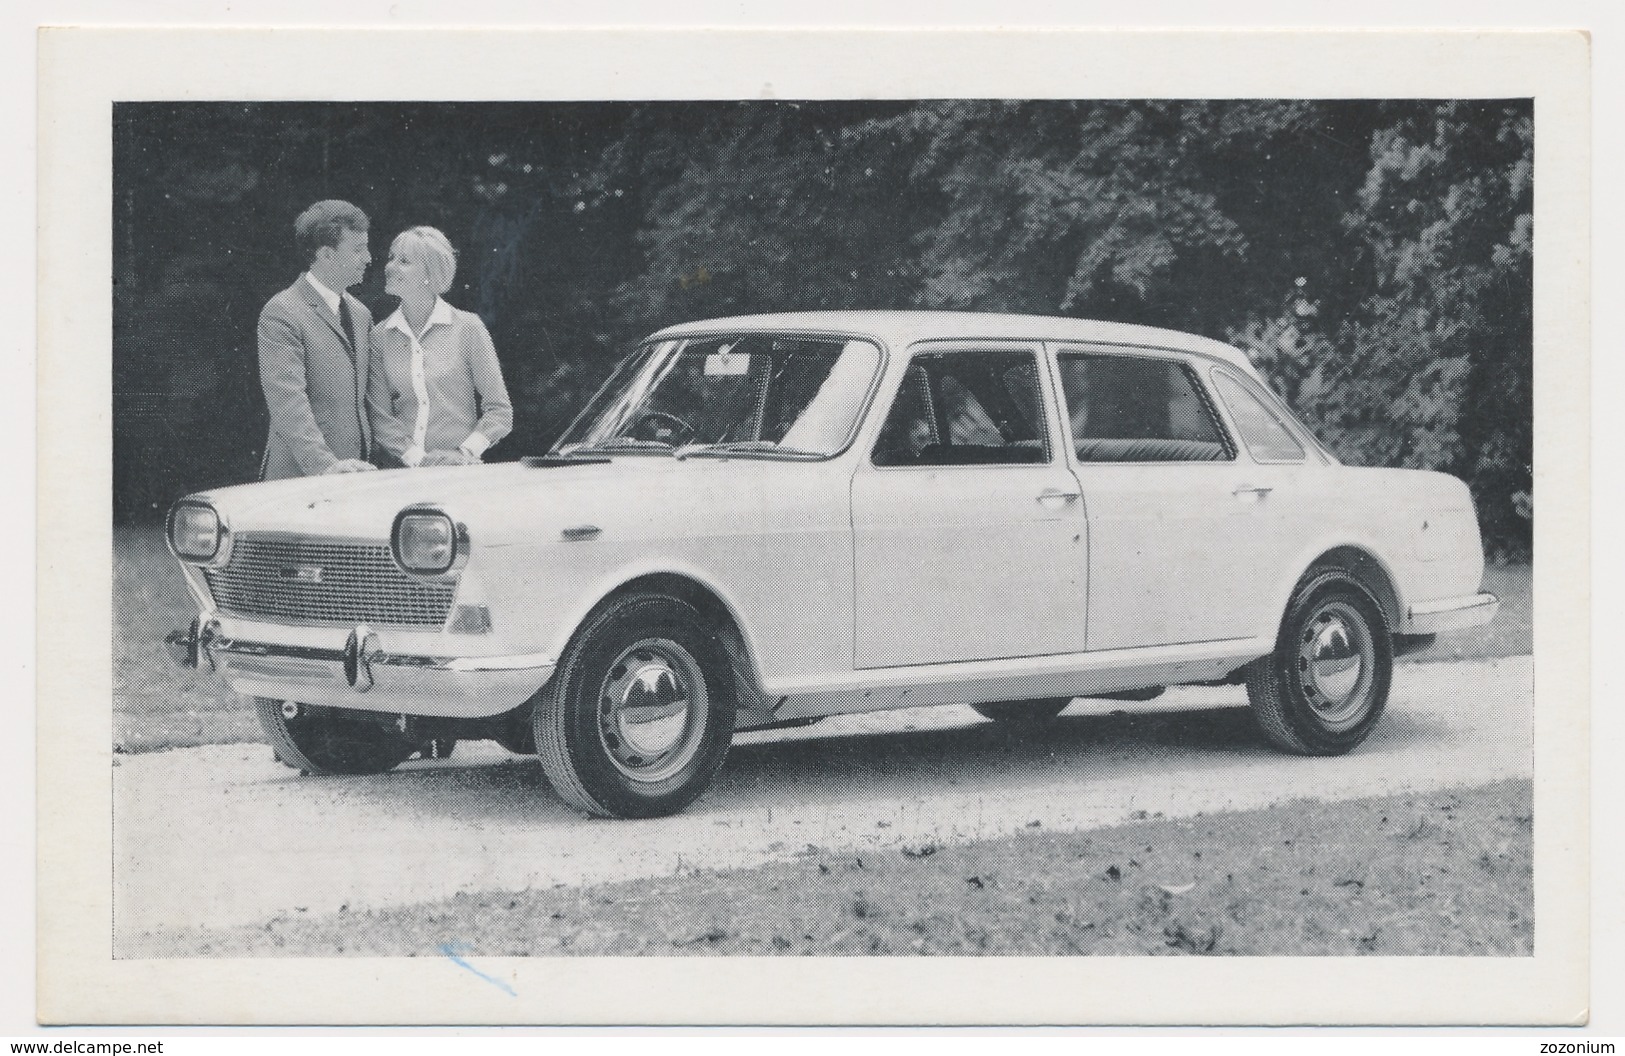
(1139, 409)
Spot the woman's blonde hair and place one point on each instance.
(439, 258)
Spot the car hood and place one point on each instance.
(503, 503)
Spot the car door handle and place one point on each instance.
(1253, 490)
(1055, 498)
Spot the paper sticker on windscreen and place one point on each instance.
(724, 364)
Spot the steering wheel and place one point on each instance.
(649, 427)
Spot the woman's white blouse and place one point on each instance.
(440, 390)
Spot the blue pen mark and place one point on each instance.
(499, 270)
(451, 950)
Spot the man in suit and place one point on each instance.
(313, 343)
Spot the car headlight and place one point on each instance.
(425, 541)
(196, 532)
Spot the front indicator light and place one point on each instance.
(470, 619)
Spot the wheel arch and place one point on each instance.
(1369, 570)
(714, 607)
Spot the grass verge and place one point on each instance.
(1511, 633)
(1441, 873)
(157, 703)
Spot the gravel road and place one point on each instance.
(225, 835)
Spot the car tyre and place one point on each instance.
(1023, 712)
(1325, 686)
(640, 712)
(316, 742)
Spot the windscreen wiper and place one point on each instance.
(747, 448)
(620, 443)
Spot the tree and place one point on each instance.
(583, 226)
(764, 206)
(1432, 367)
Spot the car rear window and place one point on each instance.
(1266, 436)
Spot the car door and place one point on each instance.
(969, 539)
(1286, 466)
(1184, 525)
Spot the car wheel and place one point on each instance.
(312, 739)
(640, 711)
(1324, 687)
(1023, 711)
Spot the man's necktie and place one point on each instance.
(349, 328)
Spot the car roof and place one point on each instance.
(901, 328)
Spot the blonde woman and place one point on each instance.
(434, 390)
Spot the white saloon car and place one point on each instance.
(770, 519)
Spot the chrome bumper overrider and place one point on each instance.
(1449, 614)
(418, 682)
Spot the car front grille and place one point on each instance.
(305, 580)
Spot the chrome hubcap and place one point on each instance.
(1335, 661)
(652, 710)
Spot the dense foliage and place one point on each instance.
(1374, 257)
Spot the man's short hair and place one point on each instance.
(324, 223)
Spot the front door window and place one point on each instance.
(966, 409)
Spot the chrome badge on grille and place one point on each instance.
(302, 573)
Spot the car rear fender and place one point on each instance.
(1364, 565)
(1377, 524)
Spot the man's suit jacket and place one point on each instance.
(315, 383)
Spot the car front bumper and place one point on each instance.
(1450, 614)
(333, 667)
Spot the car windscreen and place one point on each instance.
(764, 394)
